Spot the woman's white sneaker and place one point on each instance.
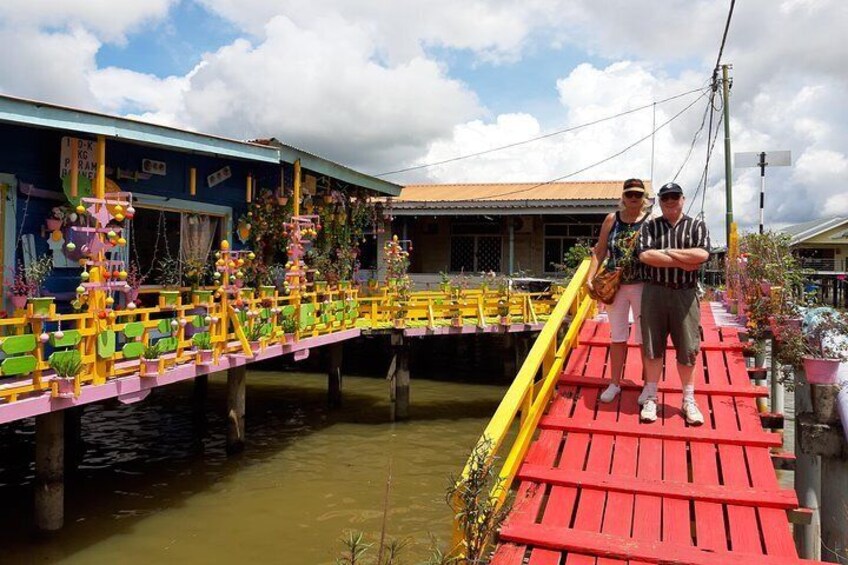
(692, 413)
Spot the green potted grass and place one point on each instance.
(289, 327)
(150, 359)
(201, 296)
(67, 366)
(254, 335)
(267, 291)
(503, 311)
(203, 344)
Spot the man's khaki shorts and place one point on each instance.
(675, 312)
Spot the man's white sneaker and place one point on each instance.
(649, 410)
(692, 413)
(610, 393)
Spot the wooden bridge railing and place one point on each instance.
(528, 396)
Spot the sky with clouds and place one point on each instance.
(382, 86)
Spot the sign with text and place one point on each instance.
(86, 157)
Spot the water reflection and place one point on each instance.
(156, 485)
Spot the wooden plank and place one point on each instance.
(712, 346)
(676, 518)
(709, 516)
(673, 485)
(15, 344)
(541, 535)
(669, 386)
(652, 431)
(20, 365)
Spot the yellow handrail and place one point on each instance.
(527, 396)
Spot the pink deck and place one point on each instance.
(599, 487)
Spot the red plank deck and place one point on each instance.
(600, 487)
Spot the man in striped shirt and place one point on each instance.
(673, 247)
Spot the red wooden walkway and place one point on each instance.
(598, 486)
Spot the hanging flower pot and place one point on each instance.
(400, 323)
(456, 322)
(246, 293)
(255, 346)
(267, 291)
(150, 367)
(821, 371)
(53, 224)
(505, 320)
(41, 306)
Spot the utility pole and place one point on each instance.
(728, 174)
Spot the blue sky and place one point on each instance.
(382, 86)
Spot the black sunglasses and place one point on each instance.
(667, 197)
(633, 194)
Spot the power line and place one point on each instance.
(547, 135)
(724, 37)
(695, 139)
(702, 184)
(586, 168)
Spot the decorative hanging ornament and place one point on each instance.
(174, 324)
(80, 209)
(58, 334)
(85, 276)
(44, 337)
(130, 212)
(70, 246)
(109, 301)
(130, 305)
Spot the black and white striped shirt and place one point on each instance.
(659, 234)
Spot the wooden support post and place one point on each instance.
(73, 438)
(334, 375)
(807, 478)
(399, 378)
(235, 409)
(201, 391)
(777, 390)
(834, 508)
(50, 471)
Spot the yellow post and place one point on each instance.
(75, 168)
(297, 187)
(192, 181)
(249, 188)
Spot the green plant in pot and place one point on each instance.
(203, 343)
(289, 327)
(503, 311)
(150, 359)
(170, 277)
(254, 334)
(26, 286)
(67, 365)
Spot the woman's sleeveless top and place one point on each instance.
(622, 242)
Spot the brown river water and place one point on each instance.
(156, 486)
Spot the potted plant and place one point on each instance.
(289, 327)
(20, 288)
(826, 340)
(254, 334)
(58, 216)
(36, 273)
(203, 343)
(67, 365)
(444, 282)
(503, 311)
(170, 277)
(150, 359)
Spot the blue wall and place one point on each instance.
(33, 154)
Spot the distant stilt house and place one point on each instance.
(505, 227)
(822, 245)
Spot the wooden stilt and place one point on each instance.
(235, 409)
(399, 378)
(50, 471)
(73, 438)
(334, 375)
(834, 509)
(807, 478)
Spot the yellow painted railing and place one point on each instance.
(316, 314)
(527, 396)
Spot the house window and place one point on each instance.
(158, 233)
(559, 238)
(476, 247)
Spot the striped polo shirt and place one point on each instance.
(659, 234)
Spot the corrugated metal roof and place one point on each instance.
(33, 113)
(515, 193)
(809, 230)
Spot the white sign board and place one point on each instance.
(772, 159)
(86, 157)
(218, 176)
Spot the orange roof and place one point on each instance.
(505, 192)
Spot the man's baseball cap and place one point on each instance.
(670, 188)
(634, 185)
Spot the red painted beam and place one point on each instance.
(656, 430)
(720, 389)
(771, 498)
(617, 547)
(714, 346)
